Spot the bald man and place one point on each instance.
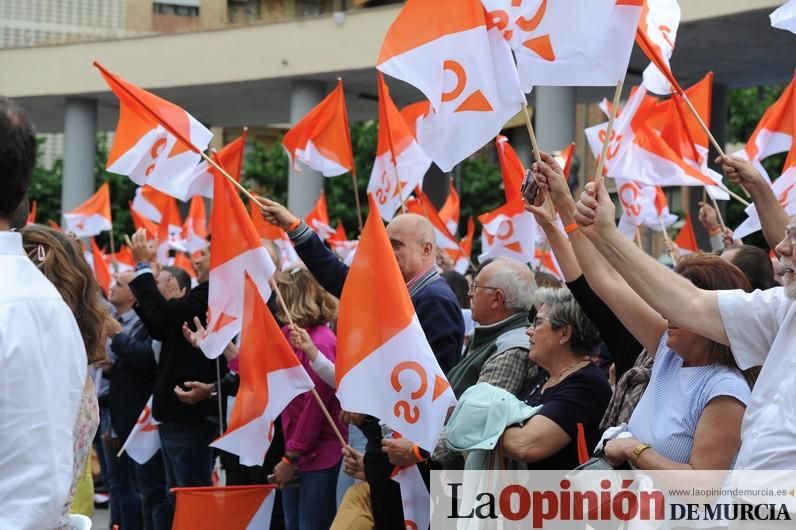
(412, 238)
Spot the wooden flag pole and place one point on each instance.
(638, 238)
(608, 134)
(666, 238)
(394, 165)
(537, 154)
(218, 398)
(113, 250)
(318, 399)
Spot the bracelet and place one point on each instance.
(295, 224)
(640, 448)
(416, 452)
(141, 265)
(286, 460)
(714, 231)
(571, 228)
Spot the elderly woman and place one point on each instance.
(569, 388)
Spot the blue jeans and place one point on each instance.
(187, 455)
(311, 505)
(357, 440)
(150, 480)
(125, 504)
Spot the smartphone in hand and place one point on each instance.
(529, 188)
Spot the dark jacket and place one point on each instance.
(132, 379)
(179, 361)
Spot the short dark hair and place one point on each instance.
(17, 156)
(182, 277)
(756, 265)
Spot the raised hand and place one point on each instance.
(595, 214)
(276, 214)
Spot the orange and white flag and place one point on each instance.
(546, 262)
(572, 43)
(270, 377)
(143, 441)
(397, 154)
(318, 218)
(228, 507)
(785, 191)
(415, 497)
(686, 239)
(156, 142)
(122, 261)
(288, 258)
(642, 206)
(509, 232)
(229, 157)
(322, 139)
(511, 168)
(785, 17)
(183, 261)
(168, 238)
(91, 217)
(139, 221)
(660, 20)
(775, 131)
(153, 204)
(445, 49)
(194, 230)
(342, 246)
(384, 365)
(235, 252)
(32, 213)
(451, 210)
(101, 270)
(461, 257)
(422, 205)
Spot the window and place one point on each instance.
(162, 8)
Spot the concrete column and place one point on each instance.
(718, 126)
(80, 151)
(304, 188)
(554, 117)
(521, 143)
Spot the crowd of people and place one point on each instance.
(649, 367)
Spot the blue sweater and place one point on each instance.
(436, 306)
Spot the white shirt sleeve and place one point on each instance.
(324, 367)
(752, 321)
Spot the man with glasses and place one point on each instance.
(760, 327)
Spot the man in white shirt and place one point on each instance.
(760, 327)
(42, 357)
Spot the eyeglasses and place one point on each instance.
(790, 234)
(538, 321)
(475, 286)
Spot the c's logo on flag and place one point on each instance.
(410, 525)
(475, 102)
(613, 148)
(154, 152)
(143, 420)
(784, 196)
(628, 195)
(402, 407)
(540, 45)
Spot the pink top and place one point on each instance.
(303, 422)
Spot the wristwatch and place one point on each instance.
(640, 448)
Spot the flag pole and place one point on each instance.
(638, 238)
(318, 399)
(218, 398)
(392, 150)
(113, 250)
(537, 153)
(608, 134)
(666, 238)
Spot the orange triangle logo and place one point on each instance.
(475, 102)
(542, 47)
(515, 247)
(440, 386)
(223, 320)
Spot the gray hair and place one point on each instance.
(516, 281)
(565, 311)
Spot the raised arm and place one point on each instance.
(674, 297)
(773, 217)
(644, 322)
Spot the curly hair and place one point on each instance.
(65, 266)
(309, 303)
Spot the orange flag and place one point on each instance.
(168, 239)
(123, 259)
(229, 157)
(32, 213)
(384, 365)
(509, 232)
(139, 221)
(270, 377)
(318, 218)
(194, 231)
(182, 261)
(322, 139)
(686, 239)
(101, 270)
(288, 257)
(421, 205)
(91, 217)
(450, 211)
(156, 142)
(153, 204)
(227, 507)
(510, 167)
(461, 258)
(235, 254)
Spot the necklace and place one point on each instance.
(552, 381)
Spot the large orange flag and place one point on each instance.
(656, 35)
(101, 270)
(318, 218)
(229, 157)
(385, 366)
(446, 49)
(236, 250)
(270, 377)
(156, 142)
(91, 217)
(194, 231)
(397, 154)
(510, 167)
(227, 507)
(322, 140)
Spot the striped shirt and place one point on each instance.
(671, 406)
